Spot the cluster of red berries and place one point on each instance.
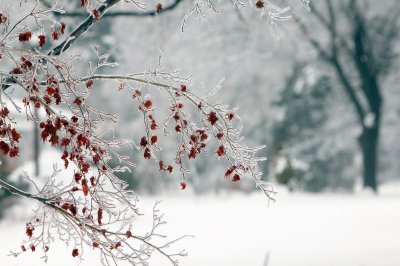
(27, 35)
(9, 148)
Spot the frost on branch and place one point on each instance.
(93, 207)
(217, 123)
(272, 13)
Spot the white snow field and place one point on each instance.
(242, 230)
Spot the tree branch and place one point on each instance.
(332, 57)
(323, 53)
(79, 223)
(66, 44)
(390, 31)
(16, 191)
(82, 28)
(330, 26)
(129, 13)
(349, 89)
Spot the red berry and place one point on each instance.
(183, 185)
(75, 252)
(153, 139)
(236, 178)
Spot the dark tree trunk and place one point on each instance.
(368, 72)
(360, 81)
(369, 142)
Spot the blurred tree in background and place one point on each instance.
(307, 163)
(357, 40)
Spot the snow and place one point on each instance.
(281, 165)
(369, 120)
(243, 229)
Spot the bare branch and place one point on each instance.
(128, 13)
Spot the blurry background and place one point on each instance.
(324, 98)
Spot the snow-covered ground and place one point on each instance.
(237, 230)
